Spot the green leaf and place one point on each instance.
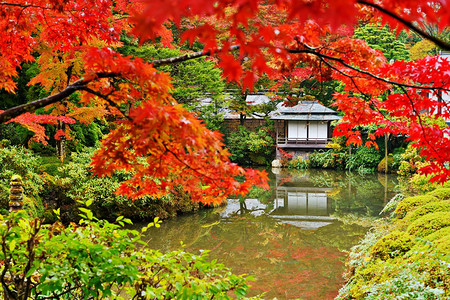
(88, 202)
(12, 245)
(30, 272)
(89, 215)
(128, 221)
(57, 212)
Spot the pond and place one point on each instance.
(291, 238)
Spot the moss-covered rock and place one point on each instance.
(394, 244)
(441, 193)
(382, 165)
(429, 223)
(411, 203)
(428, 208)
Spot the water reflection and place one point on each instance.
(310, 199)
(290, 237)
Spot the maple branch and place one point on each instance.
(310, 50)
(352, 78)
(104, 97)
(32, 106)
(23, 5)
(440, 43)
(69, 90)
(411, 102)
(189, 56)
(186, 164)
(13, 112)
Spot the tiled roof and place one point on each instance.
(307, 117)
(306, 107)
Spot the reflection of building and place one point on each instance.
(305, 201)
(304, 207)
(237, 207)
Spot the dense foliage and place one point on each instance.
(381, 38)
(50, 184)
(251, 147)
(192, 80)
(362, 160)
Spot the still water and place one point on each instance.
(290, 238)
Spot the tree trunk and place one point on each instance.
(61, 143)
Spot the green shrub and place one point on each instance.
(429, 223)
(432, 261)
(405, 285)
(391, 245)
(364, 159)
(443, 245)
(441, 193)
(418, 273)
(251, 148)
(420, 184)
(397, 156)
(298, 163)
(321, 159)
(330, 159)
(403, 265)
(446, 184)
(410, 203)
(76, 183)
(410, 161)
(426, 209)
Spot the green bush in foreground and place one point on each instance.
(429, 223)
(428, 208)
(438, 234)
(410, 203)
(441, 239)
(391, 245)
(441, 193)
(100, 260)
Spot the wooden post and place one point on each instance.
(16, 194)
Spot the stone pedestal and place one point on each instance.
(16, 194)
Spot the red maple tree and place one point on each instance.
(165, 146)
